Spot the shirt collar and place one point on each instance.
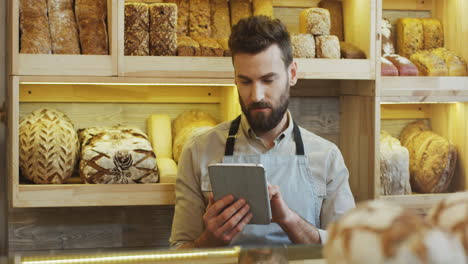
(249, 133)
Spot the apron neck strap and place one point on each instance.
(231, 139)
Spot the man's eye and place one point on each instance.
(245, 81)
(268, 81)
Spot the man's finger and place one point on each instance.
(226, 226)
(219, 205)
(238, 228)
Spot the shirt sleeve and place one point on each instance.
(339, 198)
(187, 224)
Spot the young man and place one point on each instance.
(309, 180)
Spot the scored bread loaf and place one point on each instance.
(210, 47)
(136, 29)
(303, 46)
(315, 21)
(220, 20)
(200, 118)
(387, 68)
(200, 18)
(163, 29)
(327, 47)
(388, 46)
(116, 155)
(405, 67)
(48, 146)
(432, 158)
(350, 51)
(239, 9)
(63, 28)
(456, 65)
(91, 17)
(186, 46)
(410, 37)
(182, 16)
(429, 64)
(184, 136)
(394, 166)
(262, 8)
(336, 17)
(34, 27)
(433, 33)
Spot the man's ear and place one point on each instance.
(293, 73)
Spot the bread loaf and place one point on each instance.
(303, 46)
(48, 146)
(63, 28)
(433, 33)
(377, 232)
(429, 64)
(387, 68)
(220, 20)
(410, 37)
(34, 27)
(394, 166)
(200, 18)
(182, 16)
(315, 21)
(349, 51)
(239, 9)
(432, 158)
(327, 47)
(91, 17)
(186, 46)
(163, 29)
(388, 38)
(136, 29)
(405, 67)
(262, 8)
(336, 17)
(224, 43)
(199, 118)
(456, 65)
(116, 155)
(184, 136)
(210, 47)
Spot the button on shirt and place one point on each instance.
(192, 185)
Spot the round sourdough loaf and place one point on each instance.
(187, 118)
(184, 136)
(48, 146)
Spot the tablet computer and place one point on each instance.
(246, 181)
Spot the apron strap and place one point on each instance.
(231, 139)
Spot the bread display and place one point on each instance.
(456, 65)
(378, 232)
(210, 47)
(48, 147)
(388, 46)
(63, 28)
(350, 51)
(327, 46)
(315, 21)
(220, 19)
(239, 9)
(184, 136)
(182, 16)
(410, 36)
(200, 18)
(186, 46)
(91, 16)
(262, 8)
(432, 158)
(336, 17)
(429, 64)
(387, 68)
(394, 166)
(163, 29)
(433, 33)
(303, 46)
(34, 27)
(116, 155)
(405, 67)
(136, 29)
(224, 43)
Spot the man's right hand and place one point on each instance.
(223, 219)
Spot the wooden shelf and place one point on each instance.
(424, 89)
(67, 195)
(420, 202)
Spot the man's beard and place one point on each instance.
(261, 122)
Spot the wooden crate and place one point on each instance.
(116, 103)
(62, 65)
(445, 119)
(359, 26)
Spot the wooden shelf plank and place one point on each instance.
(72, 195)
(424, 89)
(408, 4)
(419, 202)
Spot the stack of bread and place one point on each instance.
(63, 26)
(394, 166)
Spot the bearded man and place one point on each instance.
(308, 180)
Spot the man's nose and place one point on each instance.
(258, 92)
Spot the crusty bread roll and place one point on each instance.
(239, 9)
(63, 28)
(200, 18)
(136, 29)
(91, 17)
(327, 47)
(394, 166)
(34, 27)
(303, 46)
(315, 21)
(220, 19)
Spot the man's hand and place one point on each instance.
(223, 219)
(280, 211)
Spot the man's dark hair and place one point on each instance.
(257, 33)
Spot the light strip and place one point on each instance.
(167, 256)
(389, 103)
(132, 84)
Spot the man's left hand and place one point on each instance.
(280, 211)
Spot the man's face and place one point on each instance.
(263, 84)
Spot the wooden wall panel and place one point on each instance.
(3, 84)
